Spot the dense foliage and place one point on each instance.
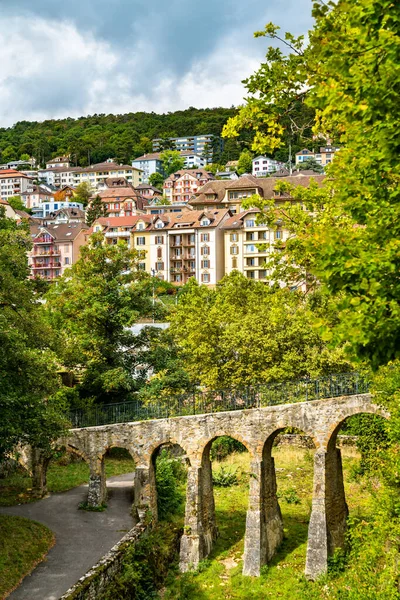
(99, 137)
(30, 409)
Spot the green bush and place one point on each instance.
(290, 496)
(225, 477)
(170, 474)
(225, 445)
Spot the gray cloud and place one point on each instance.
(85, 56)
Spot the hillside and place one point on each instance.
(99, 137)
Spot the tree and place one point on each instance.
(95, 210)
(92, 307)
(245, 164)
(16, 203)
(157, 180)
(244, 332)
(350, 237)
(31, 412)
(25, 157)
(83, 193)
(310, 164)
(172, 161)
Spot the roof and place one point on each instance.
(123, 221)
(8, 173)
(193, 172)
(147, 186)
(150, 156)
(265, 186)
(190, 218)
(121, 193)
(236, 222)
(232, 163)
(63, 232)
(70, 211)
(37, 189)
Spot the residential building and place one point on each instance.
(18, 164)
(36, 196)
(44, 209)
(180, 186)
(95, 175)
(148, 191)
(227, 175)
(154, 208)
(248, 245)
(9, 211)
(323, 157)
(177, 246)
(202, 145)
(59, 161)
(118, 228)
(122, 200)
(149, 164)
(55, 248)
(67, 214)
(14, 183)
(263, 166)
(230, 194)
(232, 165)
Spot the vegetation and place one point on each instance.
(122, 137)
(23, 544)
(172, 161)
(157, 180)
(95, 210)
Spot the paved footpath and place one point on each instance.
(82, 537)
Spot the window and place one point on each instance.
(251, 262)
(205, 264)
(278, 234)
(205, 278)
(159, 225)
(205, 250)
(251, 274)
(250, 223)
(159, 266)
(159, 239)
(262, 274)
(250, 248)
(140, 226)
(234, 263)
(233, 237)
(66, 246)
(205, 237)
(205, 222)
(142, 266)
(140, 241)
(251, 236)
(66, 260)
(262, 235)
(159, 252)
(234, 250)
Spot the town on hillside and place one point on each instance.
(180, 210)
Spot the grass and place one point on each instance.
(219, 577)
(60, 478)
(23, 544)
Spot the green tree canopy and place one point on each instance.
(83, 193)
(245, 164)
(95, 210)
(172, 161)
(157, 180)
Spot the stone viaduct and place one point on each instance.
(256, 429)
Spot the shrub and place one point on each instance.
(225, 477)
(170, 473)
(290, 496)
(225, 445)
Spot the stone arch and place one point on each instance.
(334, 428)
(74, 450)
(206, 446)
(125, 446)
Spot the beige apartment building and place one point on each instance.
(177, 246)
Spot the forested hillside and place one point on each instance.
(98, 137)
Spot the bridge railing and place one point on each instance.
(201, 402)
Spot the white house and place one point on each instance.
(263, 166)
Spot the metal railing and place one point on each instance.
(257, 396)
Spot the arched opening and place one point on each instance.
(168, 478)
(352, 456)
(67, 468)
(288, 466)
(224, 489)
(119, 471)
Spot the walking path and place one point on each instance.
(82, 537)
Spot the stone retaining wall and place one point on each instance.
(101, 574)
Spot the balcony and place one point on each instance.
(43, 241)
(47, 253)
(55, 265)
(118, 234)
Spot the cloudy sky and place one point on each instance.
(79, 57)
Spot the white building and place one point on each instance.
(149, 164)
(263, 166)
(44, 209)
(59, 161)
(14, 183)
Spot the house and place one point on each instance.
(232, 165)
(180, 186)
(122, 200)
(230, 194)
(36, 196)
(47, 208)
(226, 175)
(59, 161)
(323, 157)
(118, 228)
(152, 163)
(177, 246)
(66, 214)
(263, 166)
(55, 248)
(148, 191)
(9, 212)
(14, 183)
